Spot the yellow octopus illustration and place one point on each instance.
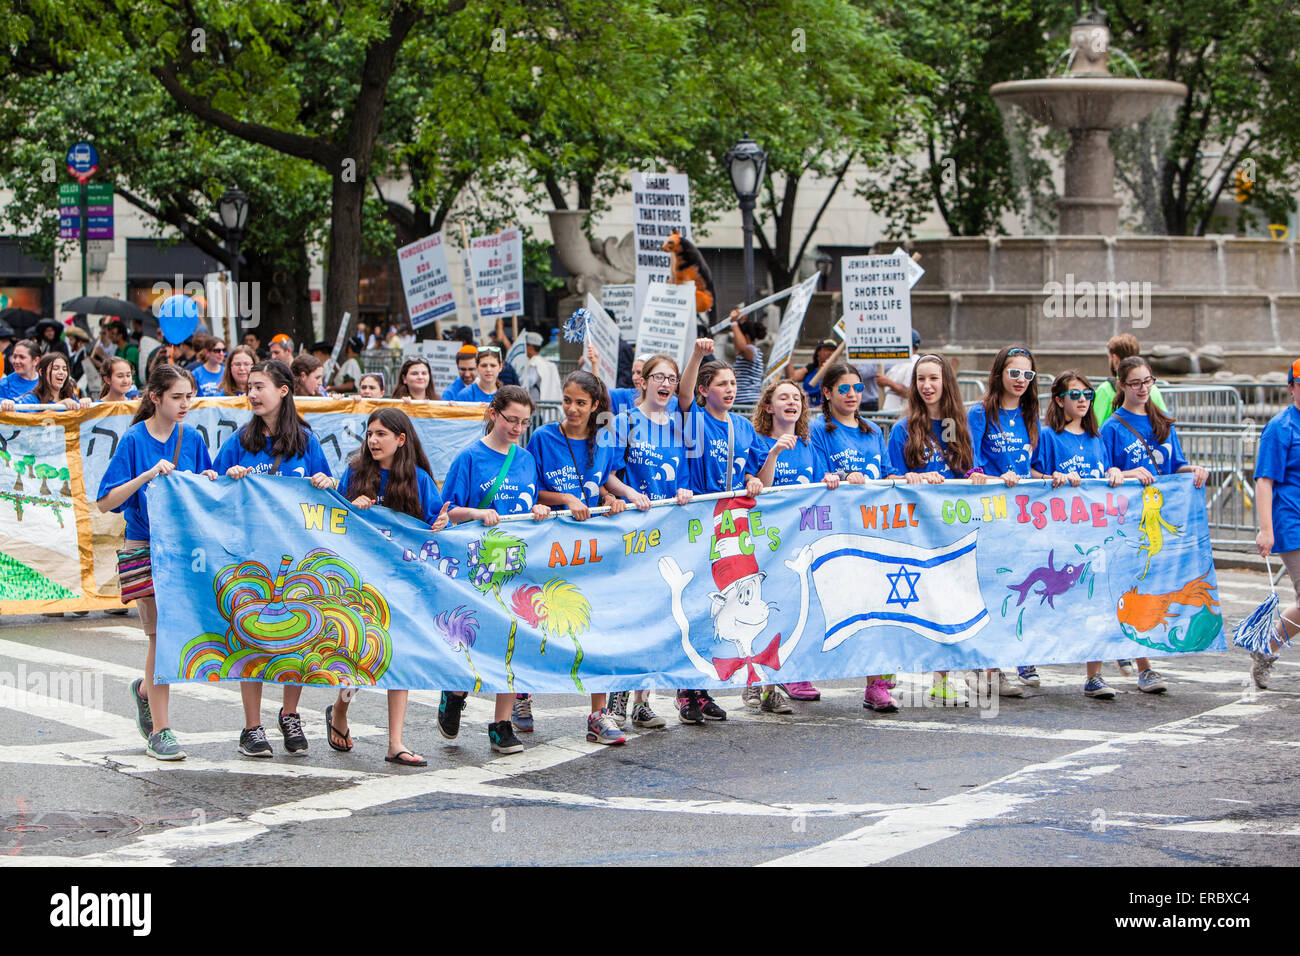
(1153, 525)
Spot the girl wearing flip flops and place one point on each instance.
(275, 441)
(157, 443)
(389, 469)
(1069, 450)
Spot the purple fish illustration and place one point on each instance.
(1055, 581)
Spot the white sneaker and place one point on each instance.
(1006, 687)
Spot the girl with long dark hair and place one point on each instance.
(156, 443)
(119, 381)
(389, 469)
(53, 386)
(275, 441)
(234, 380)
(414, 381)
(308, 373)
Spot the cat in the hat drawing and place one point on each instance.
(740, 615)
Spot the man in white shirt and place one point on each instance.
(541, 377)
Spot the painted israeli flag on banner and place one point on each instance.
(864, 581)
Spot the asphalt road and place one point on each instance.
(1204, 775)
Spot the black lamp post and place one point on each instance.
(233, 208)
(825, 265)
(747, 165)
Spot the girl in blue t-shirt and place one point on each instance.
(1136, 435)
(781, 421)
(1069, 450)
(390, 469)
(486, 385)
(1277, 500)
(119, 381)
(577, 472)
(53, 387)
(275, 441)
(846, 443)
(489, 478)
(1004, 423)
(210, 374)
(157, 443)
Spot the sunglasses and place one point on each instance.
(215, 349)
(489, 348)
(1026, 374)
(1075, 394)
(1018, 352)
(845, 388)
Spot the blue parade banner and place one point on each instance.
(269, 578)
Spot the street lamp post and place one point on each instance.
(825, 265)
(233, 208)
(747, 165)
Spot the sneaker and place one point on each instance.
(773, 701)
(876, 697)
(1028, 675)
(710, 709)
(1149, 682)
(163, 746)
(643, 716)
(947, 694)
(143, 715)
(1125, 667)
(752, 696)
(449, 709)
(501, 736)
(1005, 687)
(295, 741)
(521, 714)
(618, 707)
(253, 742)
(801, 690)
(1098, 688)
(1260, 670)
(602, 728)
(688, 707)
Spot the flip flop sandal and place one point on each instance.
(397, 758)
(335, 732)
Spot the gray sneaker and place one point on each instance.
(163, 746)
(143, 715)
(253, 742)
(1262, 668)
(618, 707)
(645, 718)
(1149, 682)
(774, 702)
(752, 697)
(1003, 684)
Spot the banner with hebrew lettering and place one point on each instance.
(58, 553)
(271, 579)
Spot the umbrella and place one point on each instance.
(19, 319)
(107, 305)
(6, 332)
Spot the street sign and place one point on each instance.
(83, 161)
(99, 210)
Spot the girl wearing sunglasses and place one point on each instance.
(1004, 430)
(1141, 439)
(1069, 450)
(847, 445)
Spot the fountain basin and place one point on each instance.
(1093, 102)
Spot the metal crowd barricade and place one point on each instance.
(1228, 452)
(1216, 405)
(385, 361)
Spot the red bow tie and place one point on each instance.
(726, 666)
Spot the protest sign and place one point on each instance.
(661, 206)
(425, 280)
(787, 336)
(667, 321)
(602, 334)
(498, 264)
(620, 302)
(800, 584)
(877, 307)
(914, 270)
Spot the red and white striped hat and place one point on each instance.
(730, 520)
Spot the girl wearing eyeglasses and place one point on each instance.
(483, 388)
(1141, 439)
(1069, 450)
(491, 477)
(1004, 430)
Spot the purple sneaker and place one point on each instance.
(876, 697)
(801, 690)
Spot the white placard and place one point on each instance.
(662, 206)
(914, 270)
(441, 356)
(787, 336)
(498, 262)
(667, 322)
(620, 302)
(425, 280)
(877, 307)
(602, 335)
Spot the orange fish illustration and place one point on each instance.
(1143, 612)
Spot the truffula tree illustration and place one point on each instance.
(558, 609)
